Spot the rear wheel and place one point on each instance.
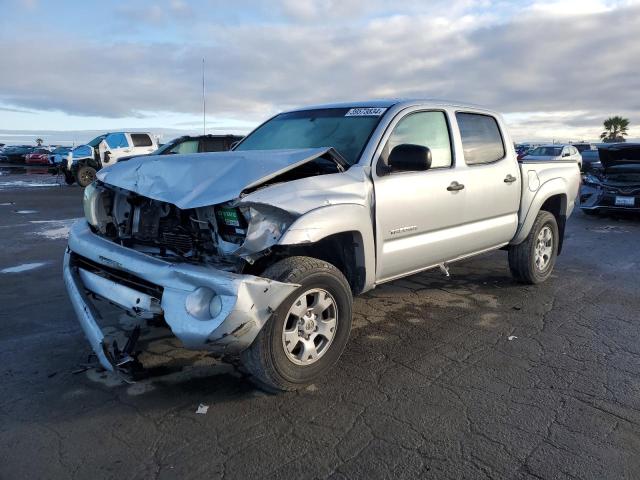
(532, 261)
(307, 333)
(86, 175)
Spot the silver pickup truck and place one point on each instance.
(257, 252)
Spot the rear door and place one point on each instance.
(141, 143)
(493, 181)
(417, 217)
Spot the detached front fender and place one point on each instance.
(532, 203)
(323, 222)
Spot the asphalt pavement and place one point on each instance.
(472, 376)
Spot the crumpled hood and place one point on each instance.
(202, 179)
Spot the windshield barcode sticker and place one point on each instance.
(365, 112)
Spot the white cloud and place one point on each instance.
(533, 62)
(578, 7)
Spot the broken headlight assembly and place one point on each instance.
(266, 224)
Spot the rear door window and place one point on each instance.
(213, 145)
(481, 138)
(141, 140)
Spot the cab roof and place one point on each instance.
(391, 102)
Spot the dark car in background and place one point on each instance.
(584, 146)
(591, 160)
(16, 153)
(616, 186)
(194, 144)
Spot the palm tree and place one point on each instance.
(615, 128)
(39, 142)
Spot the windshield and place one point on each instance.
(344, 129)
(165, 147)
(546, 152)
(96, 141)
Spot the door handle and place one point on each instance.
(455, 186)
(510, 179)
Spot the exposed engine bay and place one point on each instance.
(225, 236)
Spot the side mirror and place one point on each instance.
(410, 157)
(566, 154)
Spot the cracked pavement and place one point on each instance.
(472, 376)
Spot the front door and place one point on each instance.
(116, 146)
(418, 214)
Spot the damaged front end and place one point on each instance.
(171, 252)
(204, 308)
(224, 236)
(616, 187)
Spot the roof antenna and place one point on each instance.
(204, 104)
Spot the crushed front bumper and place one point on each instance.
(246, 301)
(597, 198)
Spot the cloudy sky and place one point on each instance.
(556, 69)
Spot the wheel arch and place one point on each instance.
(551, 197)
(339, 234)
(557, 206)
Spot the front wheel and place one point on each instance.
(86, 175)
(532, 261)
(307, 333)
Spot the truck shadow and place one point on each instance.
(427, 299)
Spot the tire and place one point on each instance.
(527, 260)
(277, 364)
(85, 176)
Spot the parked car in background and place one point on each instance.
(105, 150)
(521, 152)
(584, 146)
(257, 252)
(616, 186)
(194, 144)
(16, 153)
(591, 160)
(555, 151)
(38, 156)
(59, 155)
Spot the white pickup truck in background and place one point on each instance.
(257, 252)
(104, 150)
